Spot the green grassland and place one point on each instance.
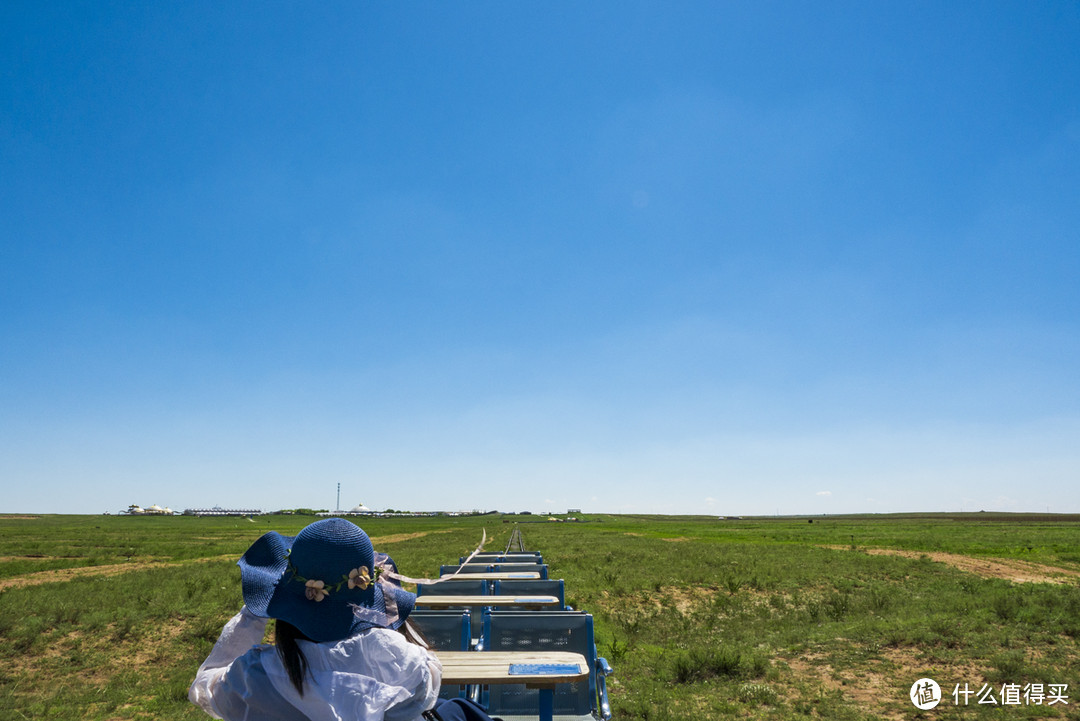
(106, 617)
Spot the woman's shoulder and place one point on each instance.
(388, 639)
(256, 659)
(375, 646)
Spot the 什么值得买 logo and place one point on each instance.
(925, 694)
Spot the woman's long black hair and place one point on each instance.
(292, 656)
(286, 636)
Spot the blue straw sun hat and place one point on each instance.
(327, 581)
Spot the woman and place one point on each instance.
(340, 650)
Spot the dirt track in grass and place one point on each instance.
(113, 569)
(1005, 568)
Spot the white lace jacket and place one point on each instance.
(374, 676)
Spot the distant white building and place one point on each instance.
(155, 510)
(219, 511)
(357, 510)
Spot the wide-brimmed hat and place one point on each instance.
(327, 581)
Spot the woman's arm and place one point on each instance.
(243, 631)
(427, 677)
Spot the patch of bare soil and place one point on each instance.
(689, 598)
(398, 537)
(112, 569)
(145, 652)
(878, 688)
(19, 518)
(686, 600)
(669, 540)
(1008, 569)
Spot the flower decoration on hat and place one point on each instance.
(361, 578)
(315, 590)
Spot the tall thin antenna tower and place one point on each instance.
(338, 506)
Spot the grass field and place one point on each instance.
(105, 617)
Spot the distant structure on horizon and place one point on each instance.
(362, 510)
(136, 510)
(219, 511)
(358, 510)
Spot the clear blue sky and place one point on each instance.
(713, 257)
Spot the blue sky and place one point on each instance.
(731, 258)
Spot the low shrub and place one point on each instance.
(703, 663)
(758, 694)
